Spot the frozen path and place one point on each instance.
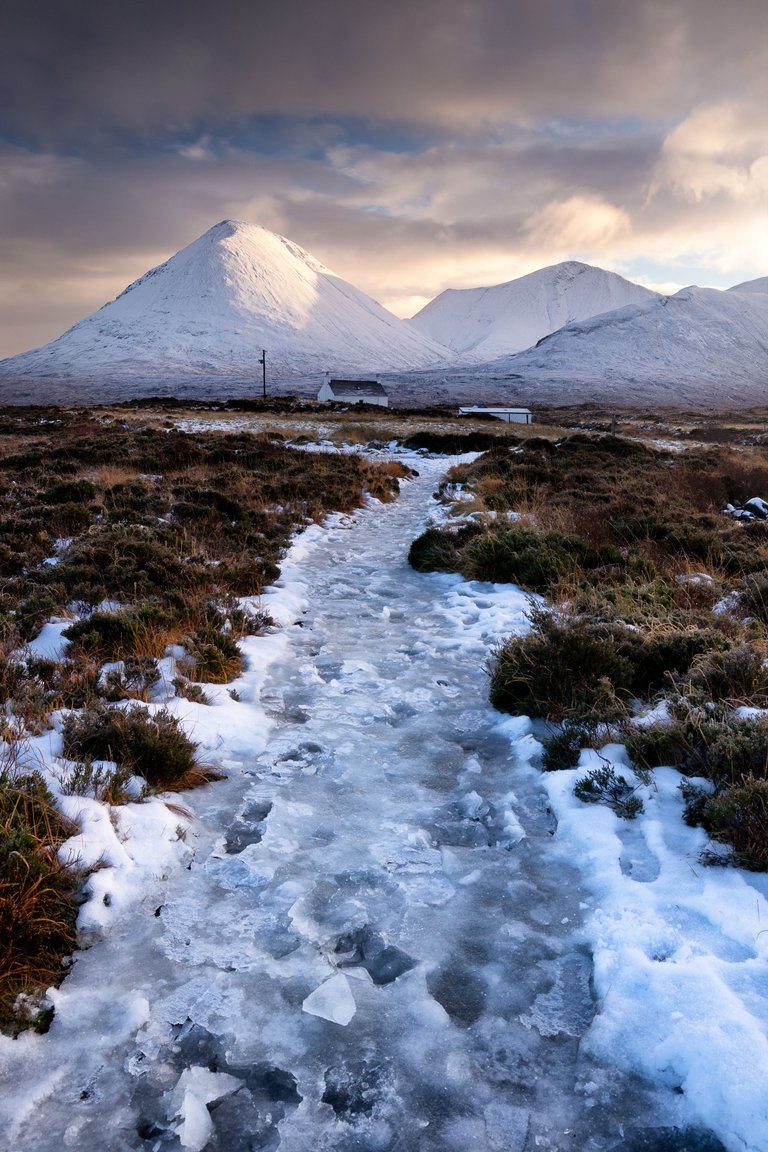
(372, 947)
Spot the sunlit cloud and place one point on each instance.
(719, 150)
(580, 223)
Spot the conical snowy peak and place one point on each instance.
(480, 324)
(210, 310)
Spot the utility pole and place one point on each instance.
(263, 362)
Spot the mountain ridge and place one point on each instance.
(698, 342)
(197, 323)
(481, 324)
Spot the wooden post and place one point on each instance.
(263, 362)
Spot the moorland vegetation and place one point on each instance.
(149, 540)
(645, 595)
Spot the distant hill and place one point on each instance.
(700, 345)
(480, 324)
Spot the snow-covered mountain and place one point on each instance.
(196, 325)
(210, 310)
(699, 345)
(480, 324)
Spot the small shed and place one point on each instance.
(354, 392)
(509, 415)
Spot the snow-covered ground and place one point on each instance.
(386, 929)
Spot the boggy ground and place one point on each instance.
(375, 944)
(145, 540)
(659, 598)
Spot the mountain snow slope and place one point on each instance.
(211, 309)
(698, 345)
(480, 324)
(759, 285)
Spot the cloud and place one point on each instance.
(581, 223)
(88, 71)
(719, 150)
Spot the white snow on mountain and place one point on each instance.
(759, 285)
(481, 324)
(698, 345)
(196, 325)
(210, 310)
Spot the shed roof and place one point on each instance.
(494, 408)
(357, 387)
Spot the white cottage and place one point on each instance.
(354, 392)
(510, 415)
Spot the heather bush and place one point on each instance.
(437, 550)
(571, 666)
(133, 679)
(563, 748)
(119, 635)
(537, 561)
(734, 674)
(213, 657)
(754, 596)
(149, 745)
(731, 752)
(738, 817)
(604, 786)
(563, 667)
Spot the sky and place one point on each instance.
(410, 145)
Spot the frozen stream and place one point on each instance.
(371, 946)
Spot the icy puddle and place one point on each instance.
(372, 947)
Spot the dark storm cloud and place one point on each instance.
(79, 70)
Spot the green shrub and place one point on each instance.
(662, 743)
(69, 492)
(563, 749)
(669, 651)
(134, 681)
(537, 561)
(117, 635)
(11, 677)
(213, 657)
(563, 667)
(603, 786)
(737, 674)
(99, 781)
(190, 691)
(152, 746)
(739, 817)
(437, 549)
(738, 748)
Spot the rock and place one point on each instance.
(758, 508)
